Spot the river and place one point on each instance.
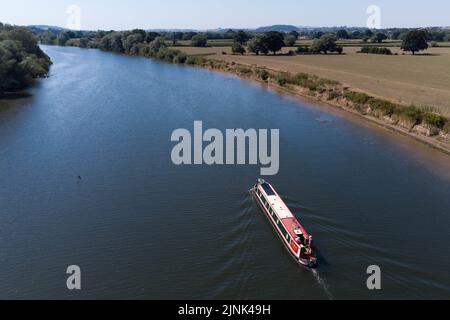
(86, 179)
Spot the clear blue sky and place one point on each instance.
(210, 14)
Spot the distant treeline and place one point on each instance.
(139, 42)
(136, 42)
(367, 35)
(21, 59)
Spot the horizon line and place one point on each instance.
(234, 28)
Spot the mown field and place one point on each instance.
(423, 79)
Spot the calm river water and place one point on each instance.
(141, 227)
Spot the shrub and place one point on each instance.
(434, 119)
(73, 43)
(282, 78)
(411, 113)
(263, 74)
(313, 86)
(221, 65)
(156, 45)
(181, 57)
(195, 60)
(199, 41)
(375, 50)
(300, 79)
(244, 70)
(386, 107)
(237, 48)
(302, 50)
(327, 82)
(385, 51)
(333, 95)
(357, 97)
(167, 55)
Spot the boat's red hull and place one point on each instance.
(284, 228)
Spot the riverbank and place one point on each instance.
(405, 79)
(21, 61)
(420, 124)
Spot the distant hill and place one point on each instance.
(280, 28)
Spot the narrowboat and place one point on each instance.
(295, 238)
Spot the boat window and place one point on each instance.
(268, 189)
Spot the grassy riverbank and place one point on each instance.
(420, 123)
(405, 79)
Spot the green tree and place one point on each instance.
(274, 41)
(177, 36)
(189, 35)
(26, 39)
(342, 34)
(368, 33)
(199, 40)
(150, 36)
(84, 42)
(327, 43)
(295, 34)
(21, 59)
(112, 42)
(241, 37)
(356, 35)
(257, 45)
(396, 35)
(318, 35)
(62, 38)
(379, 37)
(48, 38)
(237, 48)
(290, 40)
(132, 40)
(156, 45)
(415, 41)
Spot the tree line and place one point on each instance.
(143, 43)
(21, 59)
(138, 41)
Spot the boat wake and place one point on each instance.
(321, 281)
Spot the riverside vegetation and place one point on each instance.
(417, 121)
(21, 59)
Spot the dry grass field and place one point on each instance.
(423, 80)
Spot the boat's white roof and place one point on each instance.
(281, 209)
